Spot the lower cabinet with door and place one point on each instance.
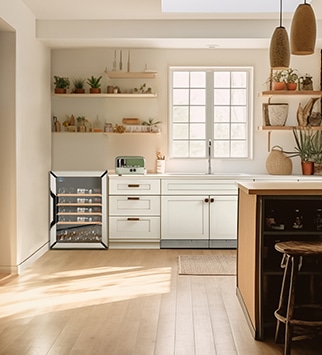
(134, 212)
(198, 213)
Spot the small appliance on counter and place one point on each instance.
(133, 165)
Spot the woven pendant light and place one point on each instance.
(303, 30)
(279, 51)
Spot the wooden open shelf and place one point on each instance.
(291, 93)
(287, 128)
(104, 95)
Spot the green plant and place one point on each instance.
(278, 76)
(94, 82)
(61, 82)
(304, 144)
(290, 75)
(79, 83)
(317, 147)
(150, 122)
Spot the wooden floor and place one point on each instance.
(125, 302)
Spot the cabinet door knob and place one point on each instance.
(212, 200)
(206, 200)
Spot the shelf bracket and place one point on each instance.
(269, 141)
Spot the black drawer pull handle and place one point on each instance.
(133, 185)
(133, 219)
(133, 198)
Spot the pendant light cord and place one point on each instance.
(281, 11)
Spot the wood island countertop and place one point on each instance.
(280, 187)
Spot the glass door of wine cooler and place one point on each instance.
(78, 210)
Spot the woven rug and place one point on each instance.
(224, 265)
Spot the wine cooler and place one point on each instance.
(78, 212)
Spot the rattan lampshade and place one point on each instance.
(303, 30)
(279, 51)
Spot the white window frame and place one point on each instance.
(209, 123)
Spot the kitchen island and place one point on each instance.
(267, 214)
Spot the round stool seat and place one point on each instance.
(299, 248)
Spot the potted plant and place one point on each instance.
(95, 85)
(81, 121)
(278, 80)
(79, 86)
(304, 149)
(291, 78)
(61, 84)
(153, 126)
(317, 152)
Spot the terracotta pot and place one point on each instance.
(307, 167)
(95, 90)
(79, 91)
(60, 91)
(291, 86)
(279, 85)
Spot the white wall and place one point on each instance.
(77, 152)
(28, 142)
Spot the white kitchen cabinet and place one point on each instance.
(192, 218)
(134, 212)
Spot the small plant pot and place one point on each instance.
(79, 91)
(60, 91)
(277, 113)
(291, 86)
(279, 85)
(307, 167)
(95, 90)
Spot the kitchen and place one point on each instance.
(28, 152)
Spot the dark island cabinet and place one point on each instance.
(264, 219)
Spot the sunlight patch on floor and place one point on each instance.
(79, 288)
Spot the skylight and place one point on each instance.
(228, 6)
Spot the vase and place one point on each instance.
(307, 167)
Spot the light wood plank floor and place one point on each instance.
(125, 302)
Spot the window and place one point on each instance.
(210, 104)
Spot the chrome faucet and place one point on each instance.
(209, 156)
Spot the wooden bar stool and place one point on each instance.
(305, 319)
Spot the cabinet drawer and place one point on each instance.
(197, 187)
(134, 186)
(134, 228)
(134, 205)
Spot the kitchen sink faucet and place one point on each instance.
(209, 156)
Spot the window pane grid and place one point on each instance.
(190, 117)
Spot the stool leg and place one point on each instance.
(282, 305)
(290, 304)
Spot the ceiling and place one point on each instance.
(142, 24)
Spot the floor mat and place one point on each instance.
(224, 265)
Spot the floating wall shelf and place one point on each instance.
(93, 96)
(291, 93)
